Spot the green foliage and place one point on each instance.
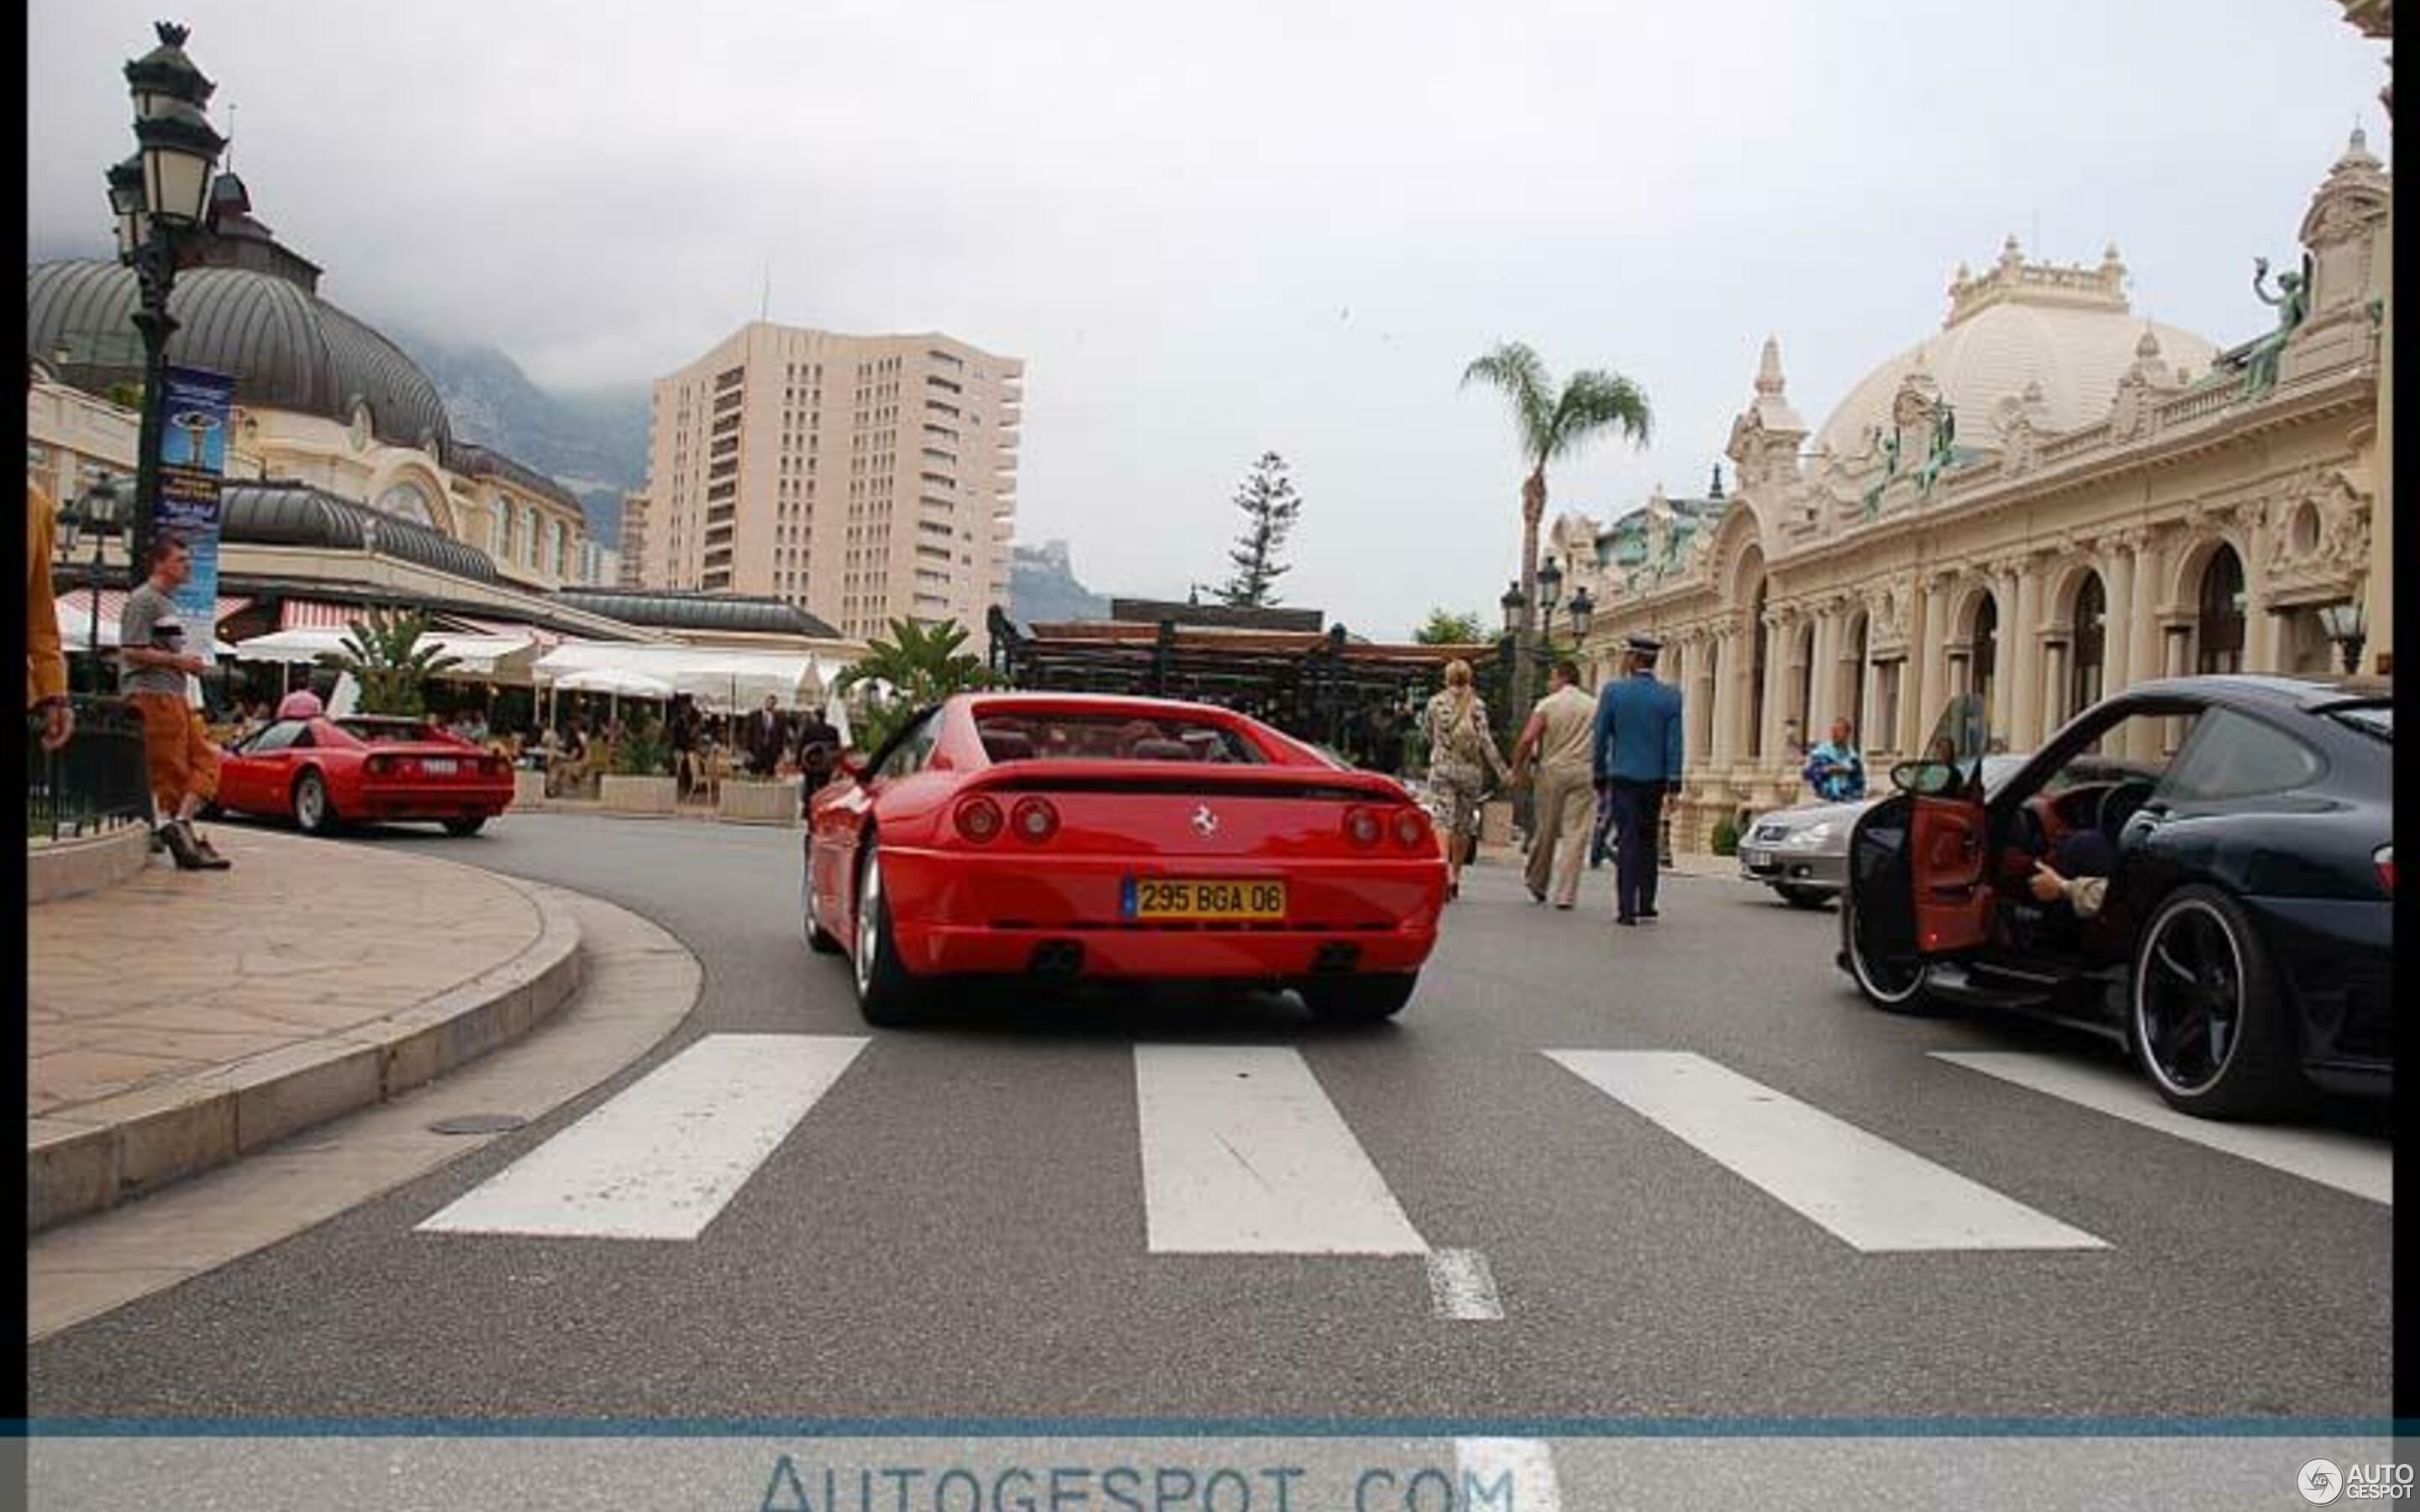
(645, 750)
(1553, 425)
(384, 654)
(1446, 627)
(922, 665)
(1271, 506)
(1725, 839)
(125, 396)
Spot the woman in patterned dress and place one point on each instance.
(1462, 757)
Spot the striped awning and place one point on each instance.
(113, 604)
(317, 614)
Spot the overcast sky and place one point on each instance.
(1213, 231)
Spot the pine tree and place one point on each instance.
(1269, 504)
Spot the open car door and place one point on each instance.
(1950, 899)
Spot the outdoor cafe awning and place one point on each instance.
(719, 680)
(496, 658)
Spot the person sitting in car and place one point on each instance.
(2081, 877)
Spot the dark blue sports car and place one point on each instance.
(2235, 931)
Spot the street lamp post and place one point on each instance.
(94, 511)
(159, 197)
(2344, 625)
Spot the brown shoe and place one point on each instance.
(206, 856)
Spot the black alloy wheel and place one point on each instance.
(2207, 1022)
(1893, 982)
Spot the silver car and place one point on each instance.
(1802, 853)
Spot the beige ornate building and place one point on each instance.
(2048, 499)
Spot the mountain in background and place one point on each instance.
(594, 445)
(1043, 590)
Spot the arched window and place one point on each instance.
(1757, 655)
(529, 537)
(2218, 633)
(1987, 649)
(498, 528)
(2084, 682)
(1807, 734)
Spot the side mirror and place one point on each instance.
(1924, 778)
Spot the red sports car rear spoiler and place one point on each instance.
(1184, 779)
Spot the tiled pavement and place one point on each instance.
(174, 975)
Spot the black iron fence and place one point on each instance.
(95, 780)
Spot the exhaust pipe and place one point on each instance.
(1057, 961)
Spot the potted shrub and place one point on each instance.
(639, 779)
(1725, 837)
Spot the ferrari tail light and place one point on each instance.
(978, 819)
(492, 766)
(1411, 829)
(1034, 820)
(379, 766)
(1363, 826)
(2385, 859)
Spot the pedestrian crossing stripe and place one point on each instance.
(2330, 1157)
(1243, 1152)
(664, 1156)
(1865, 1190)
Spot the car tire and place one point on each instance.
(1891, 986)
(887, 994)
(819, 939)
(1805, 897)
(315, 813)
(466, 825)
(1367, 999)
(2198, 947)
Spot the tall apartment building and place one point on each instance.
(631, 554)
(862, 478)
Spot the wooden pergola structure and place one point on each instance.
(1313, 685)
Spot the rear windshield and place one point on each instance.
(2370, 718)
(385, 731)
(1046, 737)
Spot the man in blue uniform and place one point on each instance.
(1638, 760)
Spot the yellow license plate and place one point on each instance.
(1166, 898)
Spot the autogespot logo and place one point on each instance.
(2319, 1481)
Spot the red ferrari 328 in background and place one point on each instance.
(1059, 837)
(326, 773)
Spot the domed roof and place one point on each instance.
(2066, 331)
(287, 347)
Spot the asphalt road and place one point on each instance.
(958, 1227)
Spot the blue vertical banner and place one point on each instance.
(192, 459)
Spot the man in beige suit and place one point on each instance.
(1557, 737)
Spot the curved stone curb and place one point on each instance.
(100, 1153)
(64, 869)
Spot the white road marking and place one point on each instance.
(1243, 1155)
(664, 1155)
(1863, 1188)
(1461, 1286)
(2332, 1157)
(1513, 1474)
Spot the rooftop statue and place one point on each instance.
(1944, 442)
(2292, 301)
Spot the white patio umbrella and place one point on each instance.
(615, 683)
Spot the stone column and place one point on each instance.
(2146, 643)
(1777, 672)
(1727, 697)
(2024, 728)
(1923, 679)
(2054, 688)
(1823, 687)
(2116, 566)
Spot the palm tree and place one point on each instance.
(922, 665)
(1553, 427)
(383, 653)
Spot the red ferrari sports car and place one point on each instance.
(1061, 837)
(326, 772)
